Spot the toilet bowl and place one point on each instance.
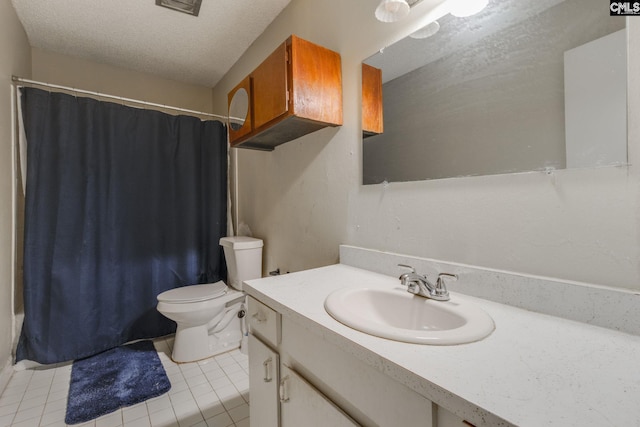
(209, 316)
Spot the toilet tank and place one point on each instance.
(244, 259)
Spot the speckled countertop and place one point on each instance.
(533, 370)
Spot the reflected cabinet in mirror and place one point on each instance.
(240, 110)
(525, 85)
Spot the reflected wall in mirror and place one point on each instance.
(240, 110)
(525, 85)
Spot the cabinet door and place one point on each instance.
(269, 83)
(263, 384)
(315, 82)
(264, 322)
(303, 405)
(372, 114)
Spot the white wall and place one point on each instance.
(15, 59)
(595, 101)
(305, 198)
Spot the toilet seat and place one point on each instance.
(194, 293)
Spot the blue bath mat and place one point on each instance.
(119, 377)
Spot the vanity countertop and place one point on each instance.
(533, 370)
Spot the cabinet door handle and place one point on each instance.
(284, 396)
(267, 370)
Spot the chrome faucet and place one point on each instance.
(419, 284)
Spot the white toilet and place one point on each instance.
(209, 316)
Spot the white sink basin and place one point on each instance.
(401, 316)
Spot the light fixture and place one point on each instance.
(463, 8)
(392, 10)
(395, 10)
(426, 31)
(191, 7)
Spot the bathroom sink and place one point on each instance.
(400, 316)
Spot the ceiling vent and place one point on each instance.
(192, 7)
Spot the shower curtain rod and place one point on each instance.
(16, 79)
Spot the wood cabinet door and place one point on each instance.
(316, 82)
(263, 384)
(372, 111)
(303, 405)
(269, 83)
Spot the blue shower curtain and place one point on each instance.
(121, 204)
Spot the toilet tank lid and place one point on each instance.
(194, 293)
(241, 242)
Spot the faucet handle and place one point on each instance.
(441, 287)
(403, 277)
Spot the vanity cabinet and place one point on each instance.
(301, 403)
(298, 377)
(264, 364)
(369, 397)
(296, 90)
(279, 395)
(372, 109)
(264, 367)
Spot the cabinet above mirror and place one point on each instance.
(524, 85)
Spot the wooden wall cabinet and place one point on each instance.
(295, 91)
(372, 110)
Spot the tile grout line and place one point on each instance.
(15, 414)
(53, 377)
(228, 366)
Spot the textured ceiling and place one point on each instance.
(138, 35)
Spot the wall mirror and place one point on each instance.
(240, 120)
(238, 108)
(524, 85)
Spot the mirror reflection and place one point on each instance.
(524, 85)
(238, 109)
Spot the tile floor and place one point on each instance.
(210, 393)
